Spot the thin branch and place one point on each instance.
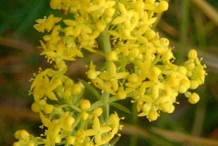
(167, 134)
(207, 9)
(184, 138)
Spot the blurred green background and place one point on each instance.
(188, 24)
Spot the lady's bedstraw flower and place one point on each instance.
(147, 61)
(108, 80)
(138, 64)
(103, 133)
(46, 23)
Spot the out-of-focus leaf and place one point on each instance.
(120, 107)
(32, 16)
(91, 89)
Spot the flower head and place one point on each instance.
(46, 23)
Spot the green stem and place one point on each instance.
(134, 139)
(105, 44)
(183, 30)
(200, 31)
(106, 105)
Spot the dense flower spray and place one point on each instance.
(138, 65)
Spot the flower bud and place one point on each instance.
(190, 66)
(146, 108)
(67, 123)
(163, 6)
(133, 78)
(97, 112)
(84, 115)
(76, 89)
(92, 74)
(121, 94)
(167, 107)
(85, 104)
(22, 134)
(165, 42)
(112, 56)
(192, 54)
(35, 107)
(152, 115)
(48, 109)
(194, 98)
(69, 120)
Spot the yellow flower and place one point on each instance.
(92, 73)
(138, 64)
(85, 104)
(103, 133)
(46, 23)
(108, 80)
(98, 131)
(43, 86)
(128, 18)
(193, 98)
(75, 28)
(22, 134)
(66, 122)
(55, 4)
(53, 133)
(195, 70)
(100, 5)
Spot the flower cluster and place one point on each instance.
(138, 65)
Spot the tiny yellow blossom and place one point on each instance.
(162, 6)
(92, 73)
(97, 112)
(46, 23)
(152, 115)
(194, 98)
(48, 109)
(85, 104)
(22, 134)
(112, 56)
(192, 54)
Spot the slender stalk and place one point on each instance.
(201, 107)
(133, 140)
(200, 31)
(185, 20)
(105, 44)
(106, 105)
(183, 30)
(199, 119)
(207, 9)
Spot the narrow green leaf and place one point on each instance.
(120, 107)
(91, 89)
